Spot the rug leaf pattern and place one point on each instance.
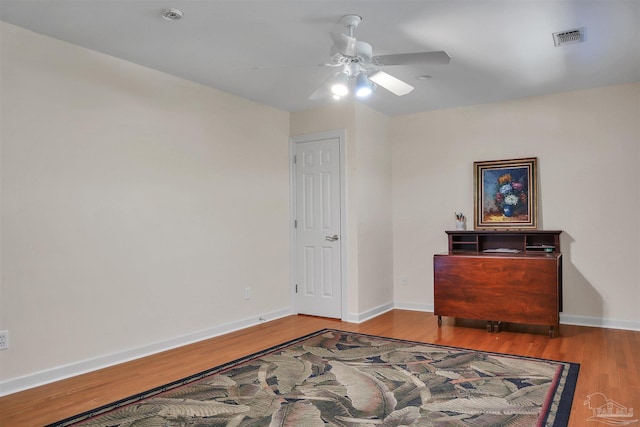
(335, 378)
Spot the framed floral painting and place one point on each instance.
(505, 194)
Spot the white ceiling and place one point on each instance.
(500, 49)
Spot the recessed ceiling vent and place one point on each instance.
(568, 37)
(172, 14)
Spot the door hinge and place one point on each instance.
(295, 159)
(296, 288)
(295, 223)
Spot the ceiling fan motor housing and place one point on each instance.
(364, 52)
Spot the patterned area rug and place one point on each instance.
(339, 378)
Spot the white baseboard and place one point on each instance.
(369, 314)
(66, 371)
(413, 306)
(599, 322)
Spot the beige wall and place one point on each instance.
(375, 225)
(587, 144)
(129, 202)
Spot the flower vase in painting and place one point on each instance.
(506, 198)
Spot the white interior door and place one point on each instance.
(318, 240)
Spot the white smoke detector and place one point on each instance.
(172, 14)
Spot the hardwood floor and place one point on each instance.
(609, 359)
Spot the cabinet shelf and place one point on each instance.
(482, 241)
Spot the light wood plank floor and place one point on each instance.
(609, 358)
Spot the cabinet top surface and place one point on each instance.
(503, 231)
(470, 254)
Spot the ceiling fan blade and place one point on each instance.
(292, 66)
(324, 91)
(437, 57)
(390, 83)
(346, 45)
(321, 93)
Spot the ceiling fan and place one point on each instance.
(359, 73)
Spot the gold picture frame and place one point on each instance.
(506, 195)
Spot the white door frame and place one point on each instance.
(341, 135)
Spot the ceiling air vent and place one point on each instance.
(568, 37)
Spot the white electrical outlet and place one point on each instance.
(4, 340)
(247, 293)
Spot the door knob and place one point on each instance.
(332, 238)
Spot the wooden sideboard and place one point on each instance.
(500, 276)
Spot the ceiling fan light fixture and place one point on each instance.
(363, 86)
(340, 85)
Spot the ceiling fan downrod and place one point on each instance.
(351, 22)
